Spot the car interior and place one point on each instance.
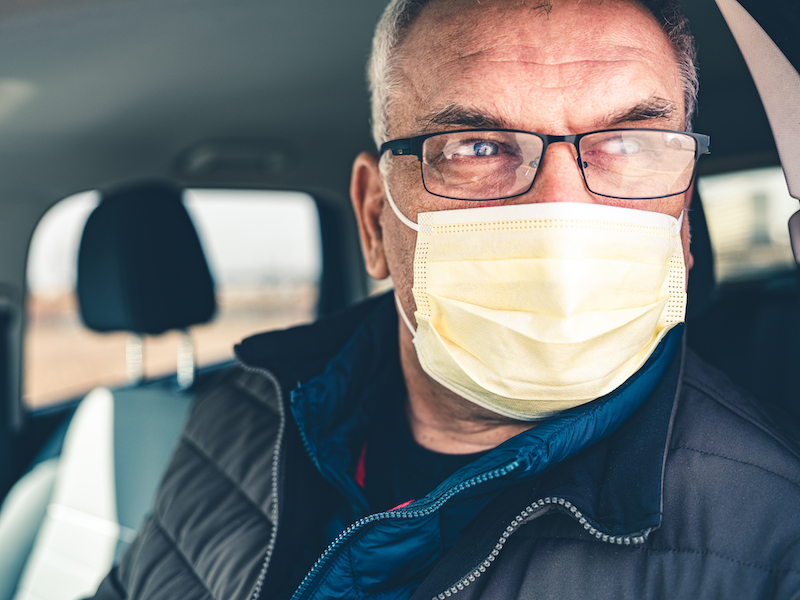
(137, 112)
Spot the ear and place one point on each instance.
(366, 193)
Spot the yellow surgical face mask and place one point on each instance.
(532, 309)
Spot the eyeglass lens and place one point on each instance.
(484, 165)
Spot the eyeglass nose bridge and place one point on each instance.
(547, 141)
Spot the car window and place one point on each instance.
(263, 250)
(747, 214)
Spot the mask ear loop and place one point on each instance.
(404, 316)
(404, 219)
(409, 223)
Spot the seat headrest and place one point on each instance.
(140, 265)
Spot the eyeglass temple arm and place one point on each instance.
(401, 148)
(703, 144)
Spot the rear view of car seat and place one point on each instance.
(141, 270)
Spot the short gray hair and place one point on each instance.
(383, 72)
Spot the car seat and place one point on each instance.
(141, 270)
(748, 329)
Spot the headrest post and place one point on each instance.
(134, 358)
(186, 361)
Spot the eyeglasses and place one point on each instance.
(492, 164)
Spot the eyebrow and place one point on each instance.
(455, 115)
(652, 108)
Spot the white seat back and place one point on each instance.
(115, 450)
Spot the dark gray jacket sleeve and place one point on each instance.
(111, 588)
(212, 522)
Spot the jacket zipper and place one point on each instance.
(336, 546)
(528, 513)
(274, 476)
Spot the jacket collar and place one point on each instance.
(302, 352)
(618, 482)
(335, 368)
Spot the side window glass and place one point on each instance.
(263, 250)
(265, 254)
(747, 214)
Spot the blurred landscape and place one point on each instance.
(63, 359)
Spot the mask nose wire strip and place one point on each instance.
(403, 315)
(416, 227)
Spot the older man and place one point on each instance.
(531, 425)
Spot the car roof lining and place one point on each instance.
(98, 92)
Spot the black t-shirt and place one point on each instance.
(396, 468)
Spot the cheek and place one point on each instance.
(399, 243)
(688, 259)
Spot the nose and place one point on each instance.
(559, 178)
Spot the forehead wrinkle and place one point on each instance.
(554, 71)
(578, 57)
(451, 111)
(564, 74)
(461, 46)
(467, 37)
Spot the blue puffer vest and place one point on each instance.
(387, 555)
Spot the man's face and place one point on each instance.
(574, 67)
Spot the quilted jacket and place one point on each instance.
(677, 485)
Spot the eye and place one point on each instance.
(674, 142)
(622, 146)
(473, 149)
(485, 149)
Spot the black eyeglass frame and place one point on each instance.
(413, 147)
